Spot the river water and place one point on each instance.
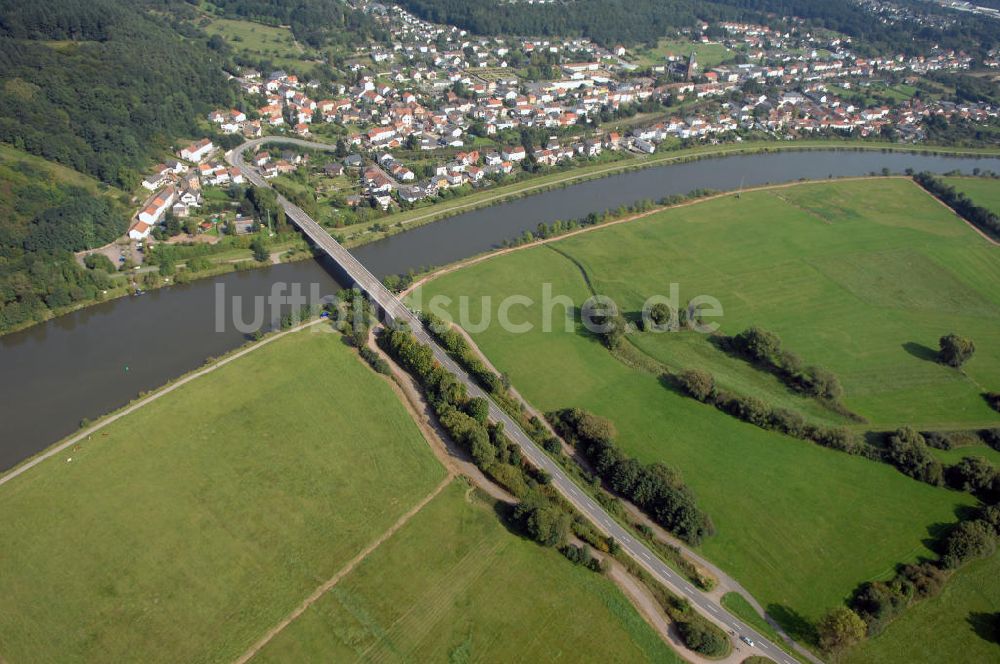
(95, 360)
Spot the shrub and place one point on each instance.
(991, 437)
(374, 360)
(99, 262)
(955, 350)
(908, 452)
(699, 384)
(839, 438)
(702, 637)
(967, 541)
(937, 440)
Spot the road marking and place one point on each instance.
(711, 607)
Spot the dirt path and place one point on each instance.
(449, 453)
(89, 431)
(344, 571)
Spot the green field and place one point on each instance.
(817, 264)
(707, 55)
(262, 42)
(985, 192)
(183, 531)
(949, 628)
(480, 595)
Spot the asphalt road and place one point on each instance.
(587, 506)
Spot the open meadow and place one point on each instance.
(183, 531)
(454, 586)
(858, 277)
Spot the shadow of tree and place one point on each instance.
(797, 626)
(920, 351)
(985, 625)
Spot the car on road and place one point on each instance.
(747, 640)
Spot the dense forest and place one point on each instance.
(103, 87)
(100, 86)
(644, 21)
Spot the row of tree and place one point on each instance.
(655, 488)
(875, 604)
(764, 348)
(964, 206)
(701, 385)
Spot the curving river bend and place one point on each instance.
(95, 360)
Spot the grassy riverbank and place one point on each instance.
(848, 274)
(359, 234)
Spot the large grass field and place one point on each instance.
(848, 274)
(454, 586)
(985, 192)
(185, 530)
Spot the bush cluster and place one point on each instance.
(765, 349)
(656, 489)
(907, 450)
(878, 603)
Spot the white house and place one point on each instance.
(153, 212)
(197, 150)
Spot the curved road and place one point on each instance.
(398, 312)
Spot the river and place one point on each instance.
(90, 362)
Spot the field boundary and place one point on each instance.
(344, 571)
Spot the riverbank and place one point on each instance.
(361, 234)
(561, 179)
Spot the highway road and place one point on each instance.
(398, 312)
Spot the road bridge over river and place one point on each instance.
(395, 310)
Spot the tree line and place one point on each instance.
(963, 206)
(655, 488)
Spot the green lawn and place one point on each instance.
(799, 525)
(481, 594)
(707, 55)
(985, 192)
(183, 531)
(949, 628)
(258, 41)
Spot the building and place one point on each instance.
(197, 150)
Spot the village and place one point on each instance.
(436, 109)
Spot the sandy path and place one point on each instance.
(344, 571)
